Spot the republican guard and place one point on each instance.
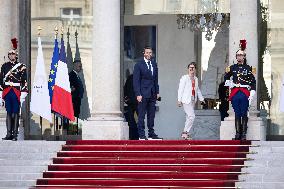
(13, 90)
(243, 86)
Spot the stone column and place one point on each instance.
(8, 30)
(243, 25)
(106, 121)
(24, 24)
(5, 29)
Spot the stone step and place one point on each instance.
(262, 170)
(266, 177)
(15, 187)
(267, 149)
(266, 162)
(20, 176)
(27, 156)
(265, 171)
(262, 155)
(22, 169)
(33, 142)
(269, 143)
(257, 185)
(251, 177)
(15, 183)
(29, 149)
(272, 156)
(20, 162)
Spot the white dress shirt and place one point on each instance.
(150, 67)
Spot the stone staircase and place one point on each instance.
(22, 162)
(266, 170)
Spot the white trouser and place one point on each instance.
(189, 116)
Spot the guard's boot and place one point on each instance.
(9, 123)
(238, 128)
(16, 126)
(245, 127)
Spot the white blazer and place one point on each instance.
(185, 90)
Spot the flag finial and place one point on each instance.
(68, 34)
(62, 31)
(77, 57)
(56, 31)
(39, 30)
(76, 35)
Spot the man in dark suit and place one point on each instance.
(77, 89)
(223, 92)
(130, 100)
(146, 88)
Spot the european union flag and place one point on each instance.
(53, 69)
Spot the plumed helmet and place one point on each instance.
(13, 50)
(243, 44)
(14, 43)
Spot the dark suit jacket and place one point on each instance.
(77, 94)
(129, 94)
(223, 92)
(144, 83)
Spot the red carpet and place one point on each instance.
(146, 164)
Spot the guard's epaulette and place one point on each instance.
(228, 69)
(253, 70)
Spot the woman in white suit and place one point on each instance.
(188, 92)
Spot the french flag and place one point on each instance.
(62, 99)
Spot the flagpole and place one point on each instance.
(55, 117)
(60, 125)
(54, 125)
(62, 31)
(40, 118)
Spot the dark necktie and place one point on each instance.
(149, 65)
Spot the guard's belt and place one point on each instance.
(13, 84)
(240, 85)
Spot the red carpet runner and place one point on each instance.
(146, 164)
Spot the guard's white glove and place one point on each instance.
(252, 93)
(23, 97)
(1, 100)
(229, 83)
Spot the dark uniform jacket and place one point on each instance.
(77, 94)
(242, 76)
(13, 79)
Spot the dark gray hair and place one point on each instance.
(147, 47)
(191, 63)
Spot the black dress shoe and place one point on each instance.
(143, 138)
(7, 138)
(154, 137)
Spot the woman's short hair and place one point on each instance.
(191, 63)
